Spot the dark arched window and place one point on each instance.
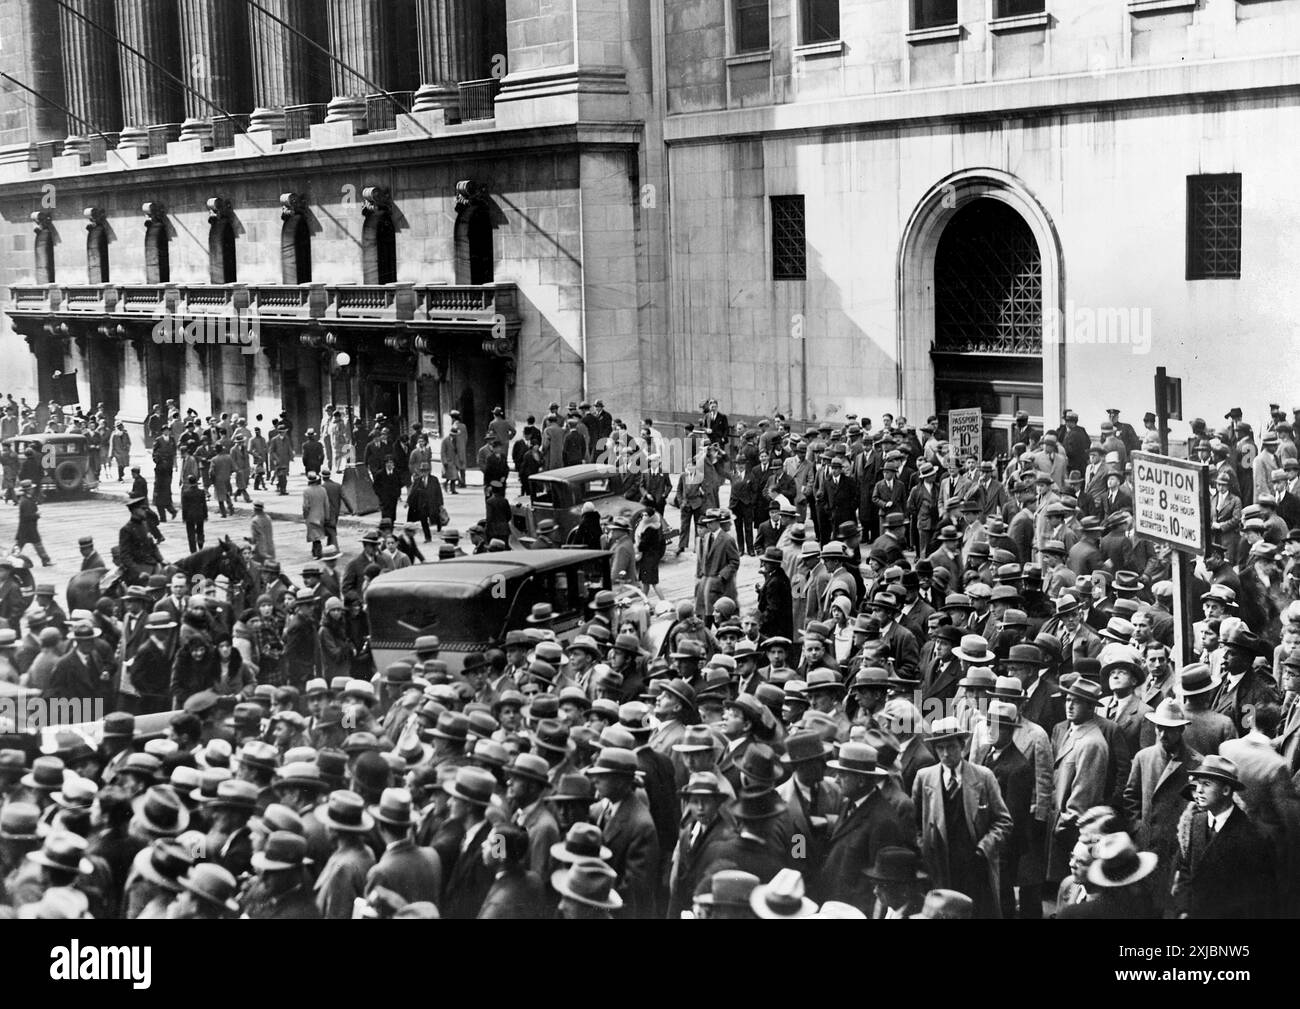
(379, 249)
(157, 264)
(97, 254)
(474, 255)
(295, 250)
(45, 256)
(221, 252)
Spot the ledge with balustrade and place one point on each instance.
(467, 306)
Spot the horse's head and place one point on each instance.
(231, 563)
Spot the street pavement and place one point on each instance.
(101, 514)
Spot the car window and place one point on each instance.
(542, 492)
(594, 489)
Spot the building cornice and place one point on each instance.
(1114, 88)
(299, 158)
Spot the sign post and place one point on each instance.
(1171, 505)
(966, 432)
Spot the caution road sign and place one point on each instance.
(1171, 501)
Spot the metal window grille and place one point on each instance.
(789, 245)
(478, 98)
(751, 26)
(933, 13)
(381, 110)
(224, 129)
(158, 138)
(988, 283)
(820, 21)
(1213, 227)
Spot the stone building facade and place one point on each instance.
(808, 206)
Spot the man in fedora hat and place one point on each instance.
(527, 780)
(718, 563)
(675, 709)
(1122, 666)
(1244, 686)
(586, 890)
(459, 842)
(1079, 775)
(866, 824)
(813, 800)
(1118, 879)
(725, 895)
(743, 720)
(962, 820)
(775, 595)
(82, 674)
(702, 834)
(629, 829)
(411, 872)
(1015, 774)
(282, 889)
(1225, 867)
(899, 881)
(1207, 728)
(1155, 795)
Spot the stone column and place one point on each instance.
(359, 38)
(451, 43)
(214, 62)
(149, 96)
(282, 61)
(90, 80)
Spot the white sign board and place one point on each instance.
(1171, 501)
(966, 432)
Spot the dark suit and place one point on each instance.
(1129, 716)
(689, 859)
(842, 497)
(1121, 904)
(151, 674)
(469, 880)
(1254, 689)
(1153, 801)
(634, 845)
(913, 759)
(414, 873)
(517, 894)
(1227, 876)
(1015, 777)
(940, 681)
(817, 838)
(861, 831)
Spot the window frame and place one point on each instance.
(733, 8)
(1196, 225)
(777, 256)
(805, 20)
(916, 8)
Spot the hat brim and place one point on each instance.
(562, 854)
(1078, 695)
(836, 766)
(450, 788)
(560, 883)
(366, 825)
(228, 905)
(948, 737)
(988, 658)
(1147, 861)
(828, 751)
(261, 863)
(1227, 779)
(758, 904)
(518, 772)
(84, 867)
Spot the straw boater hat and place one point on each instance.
(946, 730)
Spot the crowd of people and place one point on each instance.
(955, 693)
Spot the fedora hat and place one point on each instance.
(1003, 712)
(472, 784)
(946, 904)
(683, 691)
(696, 739)
(1169, 714)
(451, 725)
(895, 864)
(1008, 688)
(630, 644)
(589, 882)
(804, 746)
(783, 897)
(531, 767)
(346, 812)
(63, 851)
(46, 775)
(761, 766)
(858, 758)
(946, 730)
(728, 888)
(394, 807)
(614, 760)
(1197, 679)
(1217, 768)
(551, 734)
(583, 841)
(213, 885)
(541, 613)
(164, 862)
(283, 849)
(1117, 862)
(1117, 629)
(756, 804)
(230, 793)
(979, 678)
(974, 649)
(1083, 690)
(21, 821)
(689, 648)
(162, 814)
(702, 783)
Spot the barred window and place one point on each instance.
(1213, 226)
(789, 258)
(1014, 8)
(933, 13)
(819, 21)
(751, 26)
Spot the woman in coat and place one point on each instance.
(237, 679)
(196, 667)
(649, 550)
(587, 532)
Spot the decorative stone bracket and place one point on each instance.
(95, 217)
(42, 220)
(292, 205)
(470, 192)
(154, 212)
(219, 209)
(376, 200)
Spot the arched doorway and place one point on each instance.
(980, 290)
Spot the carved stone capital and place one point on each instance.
(42, 220)
(94, 216)
(292, 204)
(155, 212)
(469, 191)
(376, 200)
(219, 209)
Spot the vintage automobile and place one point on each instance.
(65, 461)
(559, 494)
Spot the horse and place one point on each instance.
(85, 588)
